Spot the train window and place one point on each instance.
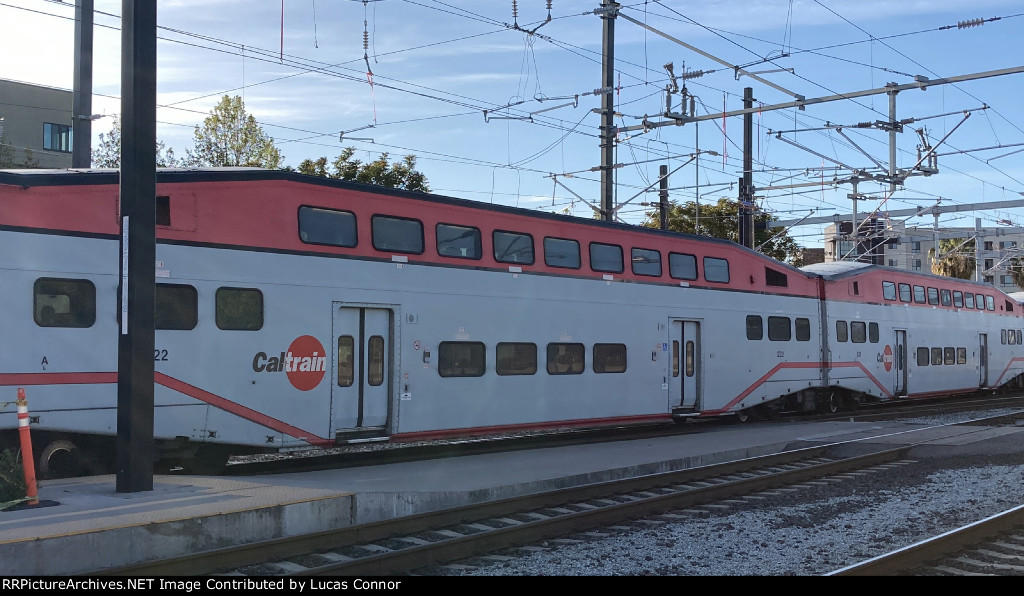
(690, 353)
(949, 356)
(958, 299)
(803, 329)
(239, 309)
(1002, 336)
(512, 247)
(841, 331)
(561, 252)
(346, 361)
(922, 356)
(461, 359)
(947, 299)
(327, 226)
(969, 300)
(716, 270)
(606, 257)
(755, 327)
(904, 292)
(858, 332)
(873, 332)
(175, 306)
(980, 302)
(682, 266)
(397, 234)
(775, 278)
(961, 355)
(1019, 336)
(646, 262)
(919, 295)
(566, 359)
(990, 303)
(936, 356)
(779, 329)
(163, 211)
(609, 358)
(856, 288)
(933, 296)
(375, 361)
(64, 302)
(461, 242)
(675, 358)
(1009, 306)
(515, 358)
(1011, 337)
(888, 290)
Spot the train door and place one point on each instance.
(900, 363)
(363, 348)
(983, 360)
(685, 376)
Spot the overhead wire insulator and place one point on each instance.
(970, 23)
(515, 11)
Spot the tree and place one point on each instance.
(400, 174)
(230, 136)
(6, 154)
(721, 220)
(108, 153)
(956, 258)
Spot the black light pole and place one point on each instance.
(138, 247)
(81, 110)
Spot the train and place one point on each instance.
(299, 312)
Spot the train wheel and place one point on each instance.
(831, 404)
(743, 416)
(61, 459)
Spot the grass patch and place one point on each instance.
(12, 478)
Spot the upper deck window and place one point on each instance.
(947, 298)
(682, 266)
(513, 247)
(958, 299)
(904, 292)
(461, 242)
(933, 296)
(646, 262)
(919, 297)
(716, 270)
(888, 290)
(561, 252)
(606, 257)
(327, 226)
(397, 234)
(990, 303)
(969, 300)
(775, 278)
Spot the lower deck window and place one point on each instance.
(461, 359)
(239, 308)
(64, 302)
(609, 358)
(516, 358)
(922, 357)
(566, 359)
(175, 306)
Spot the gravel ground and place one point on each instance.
(811, 531)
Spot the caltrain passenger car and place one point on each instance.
(296, 311)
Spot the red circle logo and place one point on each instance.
(887, 358)
(305, 363)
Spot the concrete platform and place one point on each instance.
(91, 527)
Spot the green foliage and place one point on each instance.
(721, 220)
(956, 260)
(12, 477)
(6, 154)
(230, 136)
(108, 153)
(399, 174)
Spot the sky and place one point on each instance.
(500, 106)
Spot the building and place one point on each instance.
(894, 245)
(35, 126)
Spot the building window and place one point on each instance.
(461, 359)
(239, 309)
(64, 302)
(57, 137)
(916, 265)
(989, 263)
(893, 263)
(1006, 280)
(989, 279)
(988, 245)
(915, 247)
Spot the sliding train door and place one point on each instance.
(685, 379)
(900, 364)
(363, 351)
(983, 360)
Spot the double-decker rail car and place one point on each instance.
(295, 311)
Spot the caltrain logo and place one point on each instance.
(305, 362)
(887, 358)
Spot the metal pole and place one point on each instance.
(81, 110)
(853, 230)
(608, 14)
(663, 197)
(138, 247)
(747, 193)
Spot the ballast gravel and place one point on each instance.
(813, 529)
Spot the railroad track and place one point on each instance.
(404, 545)
(992, 546)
